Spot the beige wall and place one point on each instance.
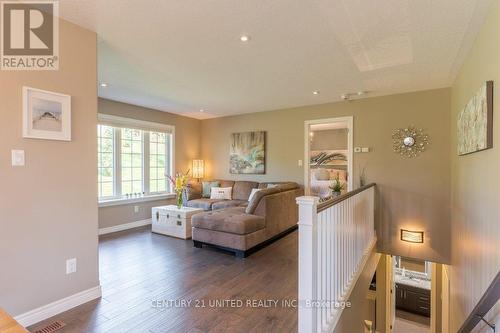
(352, 319)
(187, 148)
(413, 265)
(475, 183)
(115, 215)
(413, 193)
(329, 139)
(48, 208)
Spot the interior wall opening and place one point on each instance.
(411, 295)
(328, 156)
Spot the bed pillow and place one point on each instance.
(321, 174)
(206, 188)
(221, 193)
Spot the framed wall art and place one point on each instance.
(247, 153)
(46, 115)
(475, 122)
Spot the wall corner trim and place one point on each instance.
(46, 311)
(125, 226)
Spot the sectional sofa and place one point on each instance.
(240, 225)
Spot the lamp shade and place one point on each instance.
(412, 236)
(198, 169)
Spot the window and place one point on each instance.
(134, 158)
(131, 158)
(105, 161)
(157, 150)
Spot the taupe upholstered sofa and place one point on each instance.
(243, 226)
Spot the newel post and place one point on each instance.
(308, 269)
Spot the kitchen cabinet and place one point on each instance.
(413, 299)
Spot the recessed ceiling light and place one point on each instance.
(104, 85)
(201, 110)
(244, 38)
(315, 92)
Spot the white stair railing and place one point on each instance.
(335, 240)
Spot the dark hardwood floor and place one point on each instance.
(141, 273)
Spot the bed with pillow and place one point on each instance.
(322, 179)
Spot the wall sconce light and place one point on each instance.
(412, 236)
(198, 169)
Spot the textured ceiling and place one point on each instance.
(183, 56)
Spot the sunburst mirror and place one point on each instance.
(409, 142)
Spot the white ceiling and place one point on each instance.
(185, 55)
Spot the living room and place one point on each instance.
(184, 91)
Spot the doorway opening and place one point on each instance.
(412, 295)
(328, 155)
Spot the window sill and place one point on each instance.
(126, 201)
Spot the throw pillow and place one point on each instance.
(206, 188)
(271, 185)
(221, 193)
(254, 190)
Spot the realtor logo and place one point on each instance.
(29, 35)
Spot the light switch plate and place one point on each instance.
(17, 157)
(300, 163)
(365, 149)
(71, 266)
(136, 209)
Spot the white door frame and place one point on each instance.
(307, 147)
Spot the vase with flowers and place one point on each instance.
(336, 186)
(179, 183)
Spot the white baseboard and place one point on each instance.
(124, 226)
(34, 316)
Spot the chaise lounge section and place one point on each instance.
(243, 226)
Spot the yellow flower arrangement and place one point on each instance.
(179, 183)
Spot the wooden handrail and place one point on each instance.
(333, 201)
(487, 301)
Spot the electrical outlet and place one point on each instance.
(136, 209)
(71, 266)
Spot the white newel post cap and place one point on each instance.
(307, 200)
(307, 210)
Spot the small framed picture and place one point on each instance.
(46, 115)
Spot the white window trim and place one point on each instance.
(126, 201)
(107, 119)
(116, 121)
